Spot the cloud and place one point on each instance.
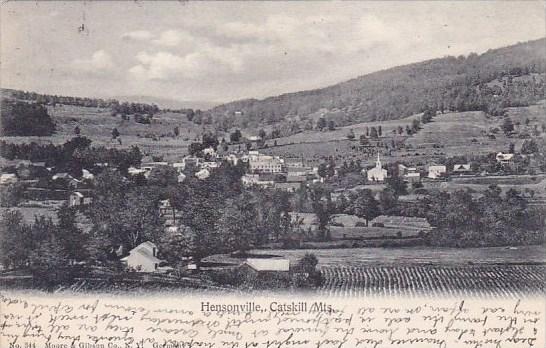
(207, 61)
(137, 35)
(100, 62)
(173, 38)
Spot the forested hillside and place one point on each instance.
(499, 78)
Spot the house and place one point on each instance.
(202, 174)
(258, 163)
(412, 177)
(268, 264)
(77, 198)
(296, 178)
(209, 151)
(249, 180)
(6, 179)
(62, 176)
(232, 159)
(165, 207)
(192, 162)
(436, 171)
(181, 177)
(209, 165)
(462, 168)
(87, 175)
(179, 166)
(143, 258)
(136, 171)
(287, 186)
(377, 173)
(504, 158)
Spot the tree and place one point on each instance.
(388, 202)
(415, 125)
(262, 133)
(379, 130)
(511, 148)
(428, 114)
(373, 133)
(331, 125)
(308, 263)
(365, 205)
(397, 185)
(529, 146)
(237, 225)
(15, 239)
(48, 263)
(70, 238)
(77, 130)
(235, 136)
(321, 123)
(507, 126)
(176, 131)
(24, 119)
(115, 133)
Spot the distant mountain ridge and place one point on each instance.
(450, 83)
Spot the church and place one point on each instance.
(377, 174)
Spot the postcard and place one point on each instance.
(318, 174)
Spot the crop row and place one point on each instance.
(502, 281)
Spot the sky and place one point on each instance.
(223, 51)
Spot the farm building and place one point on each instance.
(268, 265)
(143, 258)
(77, 198)
(377, 173)
(395, 221)
(436, 171)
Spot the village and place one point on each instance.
(376, 223)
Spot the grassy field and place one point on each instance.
(97, 124)
(29, 213)
(418, 256)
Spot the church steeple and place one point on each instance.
(378, 162)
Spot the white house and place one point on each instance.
(87, 175)
(6, 179)
(264, 163)
(143, 258)
(202, 174)
(268, 265)
(209, 151)
(179, 166)
(77, 198)
(62, 176)
(504, 158)
(377, 173)
(436, 171)
(181, 177)
(135, 171)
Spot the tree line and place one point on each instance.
(511, 76)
